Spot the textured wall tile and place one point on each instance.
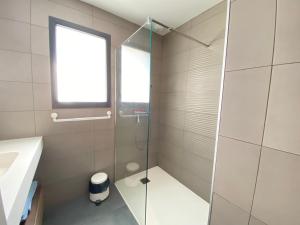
(199, 145)
(204, 124)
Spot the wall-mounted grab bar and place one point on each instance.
(136, 114)
(56, 120)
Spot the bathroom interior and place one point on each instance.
(149, 112)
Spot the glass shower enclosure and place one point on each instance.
(167, 109)
(133, 88)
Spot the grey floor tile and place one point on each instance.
(82, 212)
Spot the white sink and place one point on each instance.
(6, 160)
(19, 159)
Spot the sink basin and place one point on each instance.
(6, 160)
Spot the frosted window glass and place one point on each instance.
(81, 66)
(135, 75)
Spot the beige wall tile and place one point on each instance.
(65, 145)
(78, 5)
(52, 171)
(244, 104)
(16, 125)
(254, 221)
(103, 140)
(250, 40)
(287, 46)
(283, 125)
(276, 199)
(236, 170)
(41, 10)
(15, 66)
(15, 10)
(40, 69)
(118, 34)
(39, 40)
(224, 213)
(16, 96)
(42, 96)
(14, 35)
(104, 160)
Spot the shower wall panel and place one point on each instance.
(189, 95)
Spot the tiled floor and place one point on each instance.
(82, 212)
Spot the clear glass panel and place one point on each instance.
(132, 119)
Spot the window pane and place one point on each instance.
(81, 66)
(135, 75)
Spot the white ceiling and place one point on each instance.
(170, 12)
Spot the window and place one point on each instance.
(135, 75)
(80, 65)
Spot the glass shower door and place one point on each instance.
(133, 84)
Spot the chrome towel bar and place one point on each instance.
(56, 120)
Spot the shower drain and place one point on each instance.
(144, 180)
